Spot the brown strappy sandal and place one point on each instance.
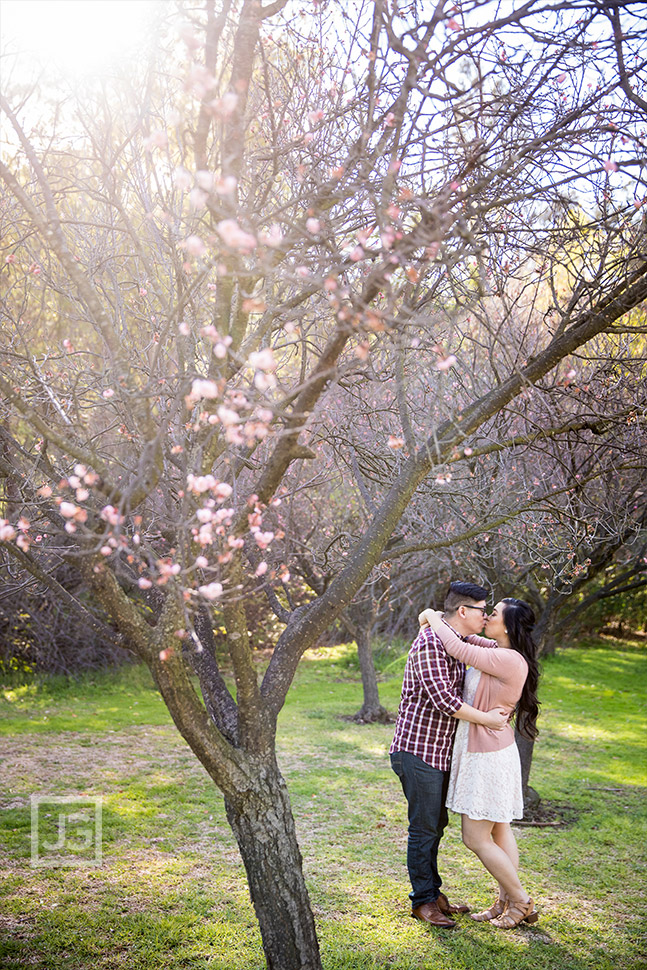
(516, 912)
(495, 910)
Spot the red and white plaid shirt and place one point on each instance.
(431, 692)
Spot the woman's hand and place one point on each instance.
(496, 719)
(431, 619)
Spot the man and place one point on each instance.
(422, 746)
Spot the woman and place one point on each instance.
(485, 779)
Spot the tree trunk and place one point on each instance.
(371, 709)
(531, 798)
(264, 828)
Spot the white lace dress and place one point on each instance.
(483, 784)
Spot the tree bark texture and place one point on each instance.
(371, 709)
(526, 748)
(262, 822)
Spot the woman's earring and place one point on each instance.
(505, 629)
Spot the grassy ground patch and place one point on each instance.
(171, 892)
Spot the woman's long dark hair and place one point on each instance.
(519, 620)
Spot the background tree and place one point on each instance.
(210, 261)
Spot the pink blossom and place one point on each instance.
(108, 393)
(561, 78)
(261, 569)
(11, 258)
(201, 562)
(184, 328)
(220, 349)
(235, 543)
(168, 569)
(610, 166)
(205, 179)
(395, 442)
(453, 24)
(204, 389)
(226, 185)
(212, 591)
(68, 510)
(44, 491)
(272, 237)
(111, 515)
(224, 107)
(313, 226)
(445, 363)
(356, 254)
(106, 550)
(235, 237)
(264, 381)
(201, 483)
(263, 539)
(262, 360)
(200, 81)
(222, 491)
(362, 351)
(182, 179)
(23, 542)
(315, 116)
(157, 139)
(198, 199)
(7, 531)
(227, 416)
(193, 246)
(467, 452)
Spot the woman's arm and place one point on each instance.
(496, 719)
(483, 658)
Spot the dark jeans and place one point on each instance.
(425, 789)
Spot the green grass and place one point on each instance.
(171, 891)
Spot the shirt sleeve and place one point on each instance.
(433, 669)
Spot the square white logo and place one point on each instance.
(66, 830)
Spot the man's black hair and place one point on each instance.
(459, 593)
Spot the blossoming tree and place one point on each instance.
(210, 262)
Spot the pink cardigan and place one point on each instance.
(503, 674)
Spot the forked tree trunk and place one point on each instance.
(264, 828)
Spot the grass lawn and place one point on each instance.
(171, 893)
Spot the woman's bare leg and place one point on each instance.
(503, 836)
(478, 836)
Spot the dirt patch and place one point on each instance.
(33, 763)
(548, 815)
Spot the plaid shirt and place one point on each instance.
(431, 693)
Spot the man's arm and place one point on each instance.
(433, 668)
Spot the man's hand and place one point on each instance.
(496, 719)
(430, 618)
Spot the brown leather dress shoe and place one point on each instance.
(446, 907)
(430, 913)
